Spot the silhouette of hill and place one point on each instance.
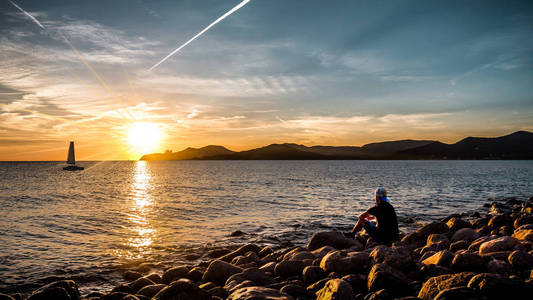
(189, 153)
(518, 145)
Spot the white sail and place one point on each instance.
(71, 160)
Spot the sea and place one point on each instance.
(91, 225)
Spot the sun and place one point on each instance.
(144, 137)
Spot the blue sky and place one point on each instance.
(311, 72)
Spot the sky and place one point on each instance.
(274, 71)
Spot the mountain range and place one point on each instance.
(518, 145)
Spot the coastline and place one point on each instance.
(467, 255)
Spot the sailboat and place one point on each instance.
(71, 160)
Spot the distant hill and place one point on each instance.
(518, 145)
(189, 153)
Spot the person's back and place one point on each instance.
(387, 222)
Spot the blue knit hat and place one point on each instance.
(382, 194)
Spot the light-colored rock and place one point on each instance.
(524, 234)
(504, 243)
(442, 258)
(337, 289)
(455, 224)
(434, 285)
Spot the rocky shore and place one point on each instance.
(480, 255)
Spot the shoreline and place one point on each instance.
(461, 256)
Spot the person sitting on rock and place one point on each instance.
(386, 229)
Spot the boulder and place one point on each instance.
(6, 297)
(132, 275)
(455, 224)
(494, 286)
(343, 263)
(523, 221)
(320, 252)
(427, 271)
(521, 260)
(474, 246)
(504, 243)
(195, 274)
(457, 293)
(499, 221)
(434, 285)
(298, 253)
(256, 292)
(312, 274)
(467, 234)
(265, 251)
(268, 267)
(63, 289)
(287, 268)
(524, 234)
(182, 289)
(240, 252)
(257, 276)
(419, 237)
(396, 257)
(468, 262)
(140, 283)
(113, 296)
(442, 258)
(174, 273)
(437, 238)
(219, 271)
(499, 267)
(459, 245)
(151, 290)
(357, 281)
(334, 239)
(337, 289)
(294, 290)
(385, 277)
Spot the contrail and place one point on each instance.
(202, 32)
(27, 14)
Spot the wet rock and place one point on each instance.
(357, 281)
(174, 273)
(467, 234)
(258, 276)
(132, 297)
(298, 254)
(140, 283)
(457, 293)
(468, 262)
(523, 221)
(268, 267)
(195, 274)
(493, 286)
(256, 292)
(437, 238)
(504, 243)
(182, 289)
(287, 268)
(240, 251)
(457, 223)
(434, 285)
(265, 251)
(235, 285)
(312, 274)
(337, 289)
(63, 289)
(334, 239)
(442, 258)
(242, 260)
(499, 267)
(6, 297)
(237, 233)
(419, 237)
(216, 253)
(524, 234)
(396, 257)
(385, 277)
(499, 221)
(123, 289)
(480, 222)
(521, 260)
(218, 291)
(115, 296)
(132, 275)
(219, 271)
(294, 290)
(313, 288)
(322, 251)
(154, 277)
(151, 290)
(344, 263)
(459, 245)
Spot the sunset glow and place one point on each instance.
(144, 137)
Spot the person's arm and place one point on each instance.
(364, 215)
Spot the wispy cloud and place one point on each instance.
(28, 15)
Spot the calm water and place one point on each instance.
(90, 224)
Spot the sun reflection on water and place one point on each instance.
(140, 206)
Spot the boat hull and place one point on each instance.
(73, 168)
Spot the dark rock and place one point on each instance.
(218, 291)
(6, 297)
(131, 297)
(499, 267)
(294, 290)
(155, 278)
(174, 273)
(457, 293)
(504, 243)
(493, 286)
(255, 292)
(499, 221)
(132, 275)
(344, 263)
(237, 233)
(474, 246)
(216, 253)
(298, 254)
(240, 251)
(521, 260)
(357, 281)
(467, 234)
(434, 285)
(523, 221)
(258, 276)
(385, 277)
(312, 274)
(480, 222)
(313, 288)
(182, 289)
(382, 294)
(151, 290)
(123, 289)
(63, 289)
(468, 262)
(334, 239)
(500, 255)
(268, 267)
(455, 224)
(140, 283)
(419, 237)
(396, 257)
(219, 271)
(196, 273)
(437, 238)
(337, 289)
(441, 258)
(524, 234)
(287, 268)
(463, 244)
(265, 251)
(115, 296)
(432, 270)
